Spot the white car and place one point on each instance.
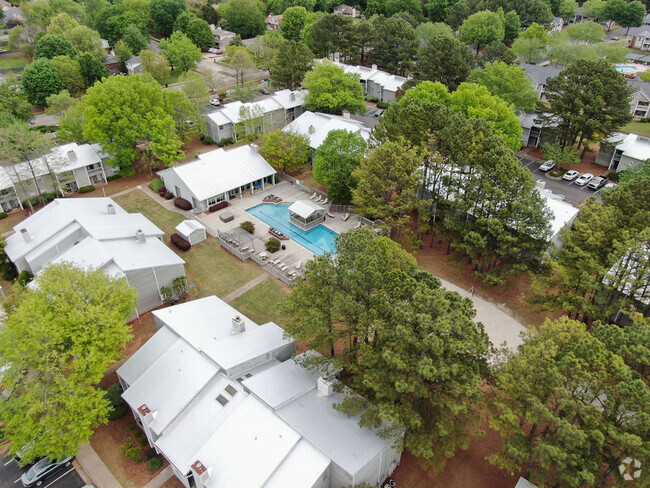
(547, 165)
(215, 102)
(608, 186)
(213, 50)
(570, 175)
(584, 179)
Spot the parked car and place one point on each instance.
(547, 165)
(598, 182)
(584, 179)
(614, 38)
(570, 175)
(215, 102)
(213, 50)
(43, 469)
(609, 186)
(379, 112)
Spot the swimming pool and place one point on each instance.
(318, 240)
(623, 69)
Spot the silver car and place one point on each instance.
(43, 469)
(547, 165)
(584, 179)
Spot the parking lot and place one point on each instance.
(573, 194)
(10, 472)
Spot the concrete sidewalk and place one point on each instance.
(95, 468)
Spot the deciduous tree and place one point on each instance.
(285, 150)
(331, 90)
(199, 32)
(293, 22)
(336, 159)
(49, 46)
(70, 73)
(180, 51)
(245, 17)
(91, 69)
(85, 41)
(154, 64)
(163, 14)
(134, 38)
(57, 104)
(240, 63)
(507, 82)
(56, 344)
(13, 102)
(193, 85)
(529, 50)
(481, 29)
(40, 80)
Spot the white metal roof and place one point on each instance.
(338, 436)
(563, 213)
(149, 352)
(386, 80)
(317, 126)
(524, 483)
(129, 254)
(635, 146)
(247, 448)
(5, 180)
(290, 99)
(88, 253)
(118, 226)
(187, 227)
(60, 159)
(239, 348)
(281, 384)
(202, 322)
(170, 383)
(182, 440)
(305, 208)
(219, 171)
(303, 467)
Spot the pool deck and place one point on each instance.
(289, 193)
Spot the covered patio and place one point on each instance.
(306, 214)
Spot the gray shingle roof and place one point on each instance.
(539, 74)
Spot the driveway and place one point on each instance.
(10, 474)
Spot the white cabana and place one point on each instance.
(306, 214)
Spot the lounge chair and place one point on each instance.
(244, 249)
(330, 215)
(324, 201)
(283, 267)
(345, 217)
(291, 274)
(313, 196)
(358, 225)
(275, 261)
(298, 264)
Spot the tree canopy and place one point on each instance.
(331, 90)
(163, 14)
(57, 343)
(286, 150)
(245, 17)
(507, 82)
(481, 29)
(444, 59)
(336, 159)
(290, 64)
(50, 45)
(180, 51)
(40, 80)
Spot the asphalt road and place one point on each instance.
(10, 474)
(573, 194)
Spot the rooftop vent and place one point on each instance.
(541, 184)
(374, 66)
(292, 96)
(199, 468)
(111, 209)
(26, 236)
(346, 114)
(140, 237)
(72, 156)
(325, 386)
(238, 325)
(255, 148)
(312, 129)
(144, 410)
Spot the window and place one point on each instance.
(177, 191)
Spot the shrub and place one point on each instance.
(87, 189)
(114, 395)
(156, 184)
(46, 129)
(226, 142)
(222, 96)
(372, 99)
(208, 140)
(143, 441)
(44, 197)
(218, 206)
(154, 464)
(169, 195)
(179, 285)
(183, 204)
(248, 226)
(162, 191)
(134, 454)
(180, 243)
(126, 446)
(150, 453)
(113, 177)
(24, 277)
(167, 294)
(615, 177)
(3, 215)
(383, 105)
(118, 412)
(273, 244)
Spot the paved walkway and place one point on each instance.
(243, 289)
(96, 469)
(160, 478)
(499, 325)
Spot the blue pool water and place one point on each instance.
(622, 69)
(318, 240)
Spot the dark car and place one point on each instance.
(43, 469)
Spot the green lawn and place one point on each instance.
(641, 128)
(210, 269)
(262, 303)
(17, 62)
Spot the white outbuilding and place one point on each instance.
(192, 231)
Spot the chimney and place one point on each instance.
(541, 184)
(140, 237)
(111, 209)
(26, 235)
(374, 66)
(325, 386)
(255, 148)
(238, 325)
(346, 114)
(312, 129)
(201, 474)
(72, 156)
(292, 96)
